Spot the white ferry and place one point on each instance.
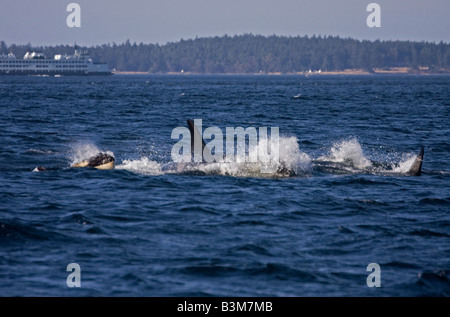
(61, 65)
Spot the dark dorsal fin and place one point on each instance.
(416, 167)
(194, 131)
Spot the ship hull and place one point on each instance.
(52, 73)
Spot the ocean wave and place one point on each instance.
(428, 233)
(434, 283)
(18, 232)
(39, 151)
(435, 201)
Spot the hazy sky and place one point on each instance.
(43, 22)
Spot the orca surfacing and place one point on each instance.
(105, 161)
(100, 161)
(416, 167)
(284, 171)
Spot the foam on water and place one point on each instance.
(39, 151)
(142, 166)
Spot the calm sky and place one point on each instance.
(43, 22)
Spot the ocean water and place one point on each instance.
(154, 228)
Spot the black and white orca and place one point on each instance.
(105, 161)
(333, 167)
(101, 161)
(416, 167)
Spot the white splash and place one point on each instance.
(291, 159)
(83, 151)
(349, 152)
(405, 164)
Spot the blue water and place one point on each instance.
(140, 230)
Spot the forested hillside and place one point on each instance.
(259, 54)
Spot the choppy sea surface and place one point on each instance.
(224, 229)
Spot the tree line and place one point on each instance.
(248, 53)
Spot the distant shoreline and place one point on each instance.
(375, 71)
(250, 54)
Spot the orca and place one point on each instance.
(376, 168)
(195, 134)
(39, 169)
(102, 161)
(416, 167)
(105, 161)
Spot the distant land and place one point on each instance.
(257, 54)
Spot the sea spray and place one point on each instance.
(142, 166)
(291, 161)
(349, 152)
(84, 150)
(405, 164)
